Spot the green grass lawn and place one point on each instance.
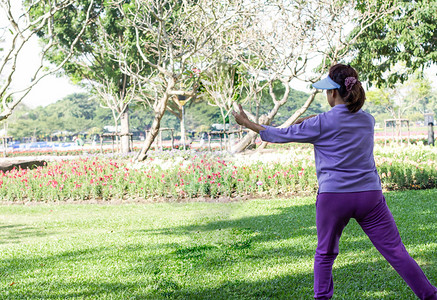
(258, 249)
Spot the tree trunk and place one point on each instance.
(225, 140)
(124, 130)
(183, 137)
(245, 142)
(9, 164)
(159, 109)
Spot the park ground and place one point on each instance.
(253, 249)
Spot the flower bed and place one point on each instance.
(412, 167)
(179, 175)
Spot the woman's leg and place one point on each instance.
(332, 216)
(381, 228)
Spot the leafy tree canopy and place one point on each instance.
(408, 36)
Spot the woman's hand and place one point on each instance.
(242, 119)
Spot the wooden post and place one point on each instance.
(183, 137)
(209, 141)
(393, 132)
(226, 140)
(4, 146)
(430, 134)
(160, 140)
(101, 143)
(131, 142)
(408, 127)
(172, 138)
(112, 138)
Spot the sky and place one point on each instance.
(50, 89)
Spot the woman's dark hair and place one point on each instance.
(350, 87)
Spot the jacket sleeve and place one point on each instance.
(306, 132)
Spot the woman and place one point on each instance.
(349, 184)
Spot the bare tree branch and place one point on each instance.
(22, 29)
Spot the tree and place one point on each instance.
(283, 37)
(407, 35)
(201, 115)
(117, 96)
(94, 64)
(177, 104)
(399, 99)
(21, 26)
(223, 86)
(171, 38)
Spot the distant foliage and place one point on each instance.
(78, 113)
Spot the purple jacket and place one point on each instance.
(343, 148)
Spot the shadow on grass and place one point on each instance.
(221, 258)
(290, 222)
(298, 223)
(15, 233)
(375, 281)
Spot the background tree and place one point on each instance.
(177, 104)
(407, 35)
(21, 25)
(76, 113)
(287, 36)
(79, 113)
(169, 37)
(94, 65)
(402, 100)
(222, 86)
(117, 96)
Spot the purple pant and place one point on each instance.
(333, 212)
